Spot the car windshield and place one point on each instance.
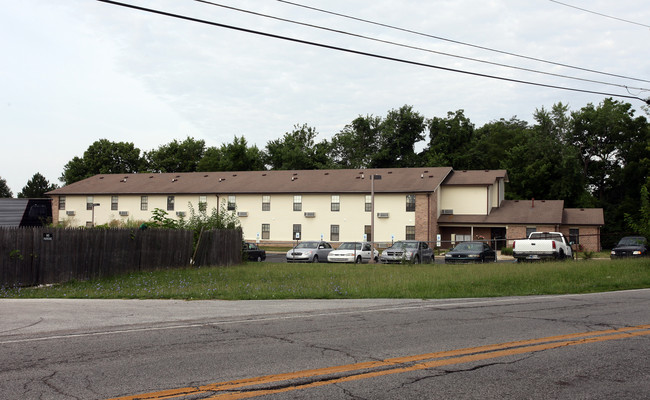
(469, 247)
(350, 246)
(405, 245)
(307, 245)
(632, 241)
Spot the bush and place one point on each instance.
(506, 251)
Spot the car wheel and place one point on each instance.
(259, 258)
(315, 259)
(358, 260)
(416, 260)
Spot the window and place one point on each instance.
(170, 203)
(410, 202)
(61, 202)
(530, 230)
(296, 231)
(368, 203)
(144, 203)
(367, 229)
(89, 203)
(334, 233)
(114, 203)
(297, 203)
(231, 202)
(574, 236)
(203, 203)
(266, 203)
(266, 231)
(410, 232)
(336, 202)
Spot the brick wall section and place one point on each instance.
(426, 217)
(55, 209)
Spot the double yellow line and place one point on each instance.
(254, 387)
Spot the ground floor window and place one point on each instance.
(334, 233)
(574, 235)
(530, 230)
(296, 231)
(410, 232)
(144, 203)
(367, 229)
(266, 231)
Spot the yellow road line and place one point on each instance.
(398, 365)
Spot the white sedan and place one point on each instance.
(353, 252)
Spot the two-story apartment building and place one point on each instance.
(437, 205)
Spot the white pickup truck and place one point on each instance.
(541, 246)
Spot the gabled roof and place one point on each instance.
(584, 216)
(393, 180)
(476, 177)
(542, 212)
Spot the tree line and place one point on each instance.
(597, 156)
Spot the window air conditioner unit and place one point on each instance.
(180, 213)
(310, 214)
(447, 212)
(124, 213)
(242, 213)
(382, 215)
(69, 213)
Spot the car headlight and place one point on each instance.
(637, 252)
(612, 252)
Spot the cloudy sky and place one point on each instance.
(76, 71)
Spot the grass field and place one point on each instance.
(335, 281)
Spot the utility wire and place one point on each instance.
(459, 42)
(416, 47)
(378, 56)
(597, 13)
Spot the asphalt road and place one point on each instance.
(591, 346)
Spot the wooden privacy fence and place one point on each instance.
(35, 256)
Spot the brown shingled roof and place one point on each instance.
(394, 180)
(584, 216)
(476, 177)
(547, 212)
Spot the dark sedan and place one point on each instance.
(253, 253)
(630, 246)
(471, 252)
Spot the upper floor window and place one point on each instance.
(410, 202)
(144, 203)
(203, 203)
(89, 202)
(336, 202)
(61, 202)
(170, 203)
(297, 203)
(266, 203)
(114, 203)
(368, 203)
(231, 202)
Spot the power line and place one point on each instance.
(602, 15)
(461, 43)
(357, 52)
(416, 47)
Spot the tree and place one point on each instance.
(355, 145)
(103, 157)
(494, 139)
(641, 223)
(176, 156)
(400, 131)
(450, 142)
(235, 156)
(298, 150)
(5, 192)
(36, 187)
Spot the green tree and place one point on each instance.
(400, 131)
(356, 144)
(103, 157)
(36, 187)
(235, 156)
(5, 192)
(640, 223)
(450, 142)
(298, 150)
(176, 156)
(493, 140)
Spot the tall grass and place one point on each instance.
(334, 281)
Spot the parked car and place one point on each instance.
(469, 252)
(630, 246)
(407, 251)
(253, 253)
(309, 251)
(353, 252)
(542, 246)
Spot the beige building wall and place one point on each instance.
(465, 200)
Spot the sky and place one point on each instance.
(76, 71)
